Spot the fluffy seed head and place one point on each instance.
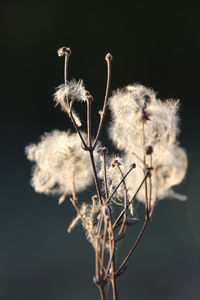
(75, 91)
(64, 51)
(136, 107)
(61, 164)
(169, 169)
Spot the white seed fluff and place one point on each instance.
(169, 169)
(75, 91)
(140, 120)
(135, 107)
(60, 164)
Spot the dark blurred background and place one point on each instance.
(156, 43)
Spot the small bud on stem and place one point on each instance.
(64, 51)
(108, 57)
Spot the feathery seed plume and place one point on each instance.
(61, 164)
(148, 137)
(139, 107)
(76, 91)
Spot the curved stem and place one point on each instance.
(134, 246)
(108, 60)
(68, 101)
(77, 130)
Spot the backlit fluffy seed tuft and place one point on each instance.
(75, 91)
(146, 129)
(138, 106)
(61, 164)
(169, 168)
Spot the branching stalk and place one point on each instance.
(110, 197)
(129, 203)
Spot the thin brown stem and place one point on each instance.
(105, 173)
(125, 202)
(150, 194)
(85, 225)
(85, 147)
(89, 99)
(146, 201)
(129, 203)
(112, 259)
(78, 212)
(69, 105)
(66, 75)
(103, 245)
(99, 236)
(95, 175)
(101, 291)
(146, 189)
(150, 187)
(99, 225)
(108, 59)
(109, 262)
(110, 197)
(134, 246)
(96, 260)
(73, 187)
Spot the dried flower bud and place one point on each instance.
(102, 151)
(108, 57)
(94, 198)
(149, 150)
(133, 165)
(115, 163)
(129, 222)
(64, 51)
(89, 98)
(100, 112)
(106, 211)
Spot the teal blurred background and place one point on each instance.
(156, 43)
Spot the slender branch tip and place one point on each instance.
(104, 150)
(64, 51)
(89, 98)
(108, 57)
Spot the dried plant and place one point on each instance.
(151, 162)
